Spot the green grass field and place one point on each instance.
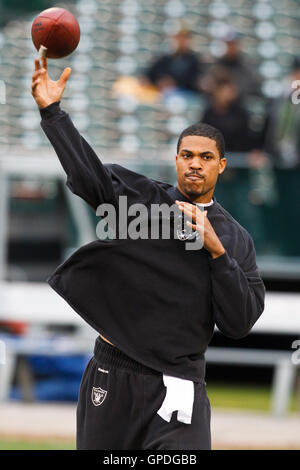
(11, 444)
(244, 397)
(220, 395)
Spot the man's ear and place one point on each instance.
(222, 165)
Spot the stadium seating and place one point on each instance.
(117, 39)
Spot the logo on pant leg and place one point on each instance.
(98, 396)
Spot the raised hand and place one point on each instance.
(212, 243)
(44, 90)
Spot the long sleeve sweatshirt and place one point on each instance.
(152, 298)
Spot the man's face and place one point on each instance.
(226, 94)
(182, 41)
(198, 166)
(233, 48)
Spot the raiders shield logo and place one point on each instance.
(184, 232)
(98, 396)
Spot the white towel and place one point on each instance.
(179, 396)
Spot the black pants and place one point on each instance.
(118, 403)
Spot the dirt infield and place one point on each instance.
(231, 429)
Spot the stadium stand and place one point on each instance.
(117, 39)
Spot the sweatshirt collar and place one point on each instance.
(181, 197)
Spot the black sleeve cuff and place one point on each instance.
(49, 111)
(221, 264)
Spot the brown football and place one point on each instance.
(58, 30)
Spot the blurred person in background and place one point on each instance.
(239, 66)
(282, 127)
(226, 112)
(178, 70)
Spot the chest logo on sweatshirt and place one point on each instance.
(98, 396)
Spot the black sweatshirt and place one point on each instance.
(153, 299)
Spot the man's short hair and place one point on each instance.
(204, 130)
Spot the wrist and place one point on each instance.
(217, 253)
(44, 104)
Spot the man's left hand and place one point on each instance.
(201, 223)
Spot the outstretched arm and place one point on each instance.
(87, 177)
